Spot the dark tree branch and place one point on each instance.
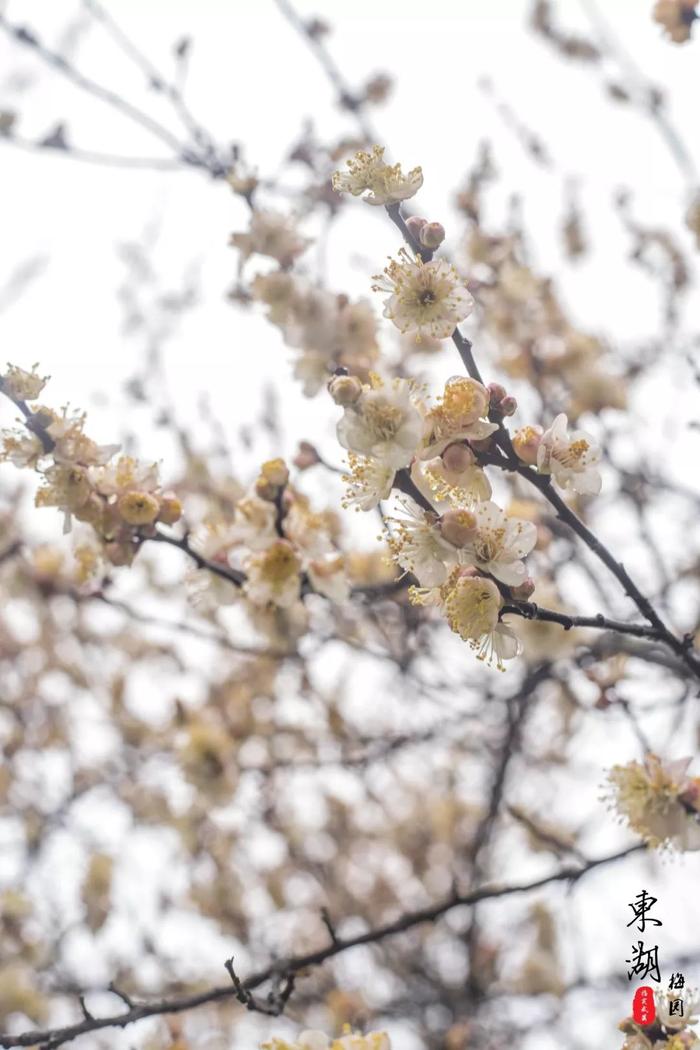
(282, 971)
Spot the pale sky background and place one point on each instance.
(252, 80)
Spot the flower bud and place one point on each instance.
(432, 235)
(118, 554)
(508, 405)
(170, 508)
(458, 458)
(691, 795)
(526, 442)
(306, 456)
(345, 390)
(496, 394)
(483, 444)
(275, 471)
(524, 591)
(138, 508)
(457, 527)
(414, 225)
(264, 489)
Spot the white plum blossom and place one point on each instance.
(385, 423)
(273, 575)
(499, 544)
(417, 545)
(457, 416)
(327, 577)
(367, 482)
(571, 459)
(254, 522)
(471, 605)
(426, 298)
(272, 234)
(381, 183)
(659, 801)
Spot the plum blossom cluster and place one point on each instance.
(456, 541)
(313, 1039)
(659, 801)
(465, 552)
(327, 331)
(119, 496)
(671, 1029)
(277, 545)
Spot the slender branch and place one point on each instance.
(92, 87)
(284, 969)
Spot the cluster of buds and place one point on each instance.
(429, 235)
(118, 496)
(501, 404)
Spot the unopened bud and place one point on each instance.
(483, 444)
(457, 527)
(458, 458)
(524, 590)
(264, 489)
(345, 390)
(508, 405)
(526, 442)
(691, 795)
(138, 508)
(415, 224)
(496, 394)
(306, 456)
(117, 554)
(432, 235)
(170, 508)
(275, 471)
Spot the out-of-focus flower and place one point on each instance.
(571, 459)
(428, 298)
(659, 801)
(676, 17)
(273, 575)
(381, 183)
(315, 1040)
(273, 235)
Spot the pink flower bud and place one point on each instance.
(458, 458)
(415, 224)
(526, 442)
(457, 527)
(524, 590)
(432, 235)
(306, 456)
(508, 405)
(496, 394)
